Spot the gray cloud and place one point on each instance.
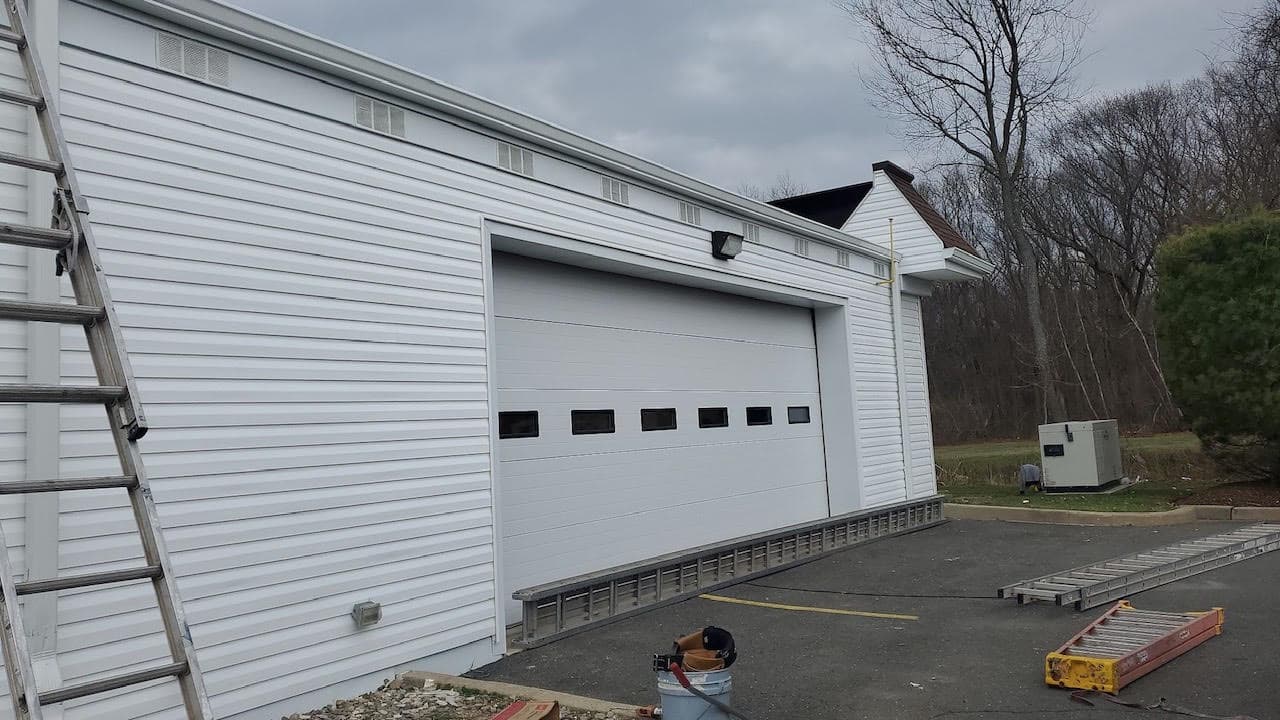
(731, 91)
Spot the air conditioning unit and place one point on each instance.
(1080, 455)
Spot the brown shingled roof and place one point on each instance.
(949, 236)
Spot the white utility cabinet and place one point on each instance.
(1082, 454)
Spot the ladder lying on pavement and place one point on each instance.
(1093, 585)
(1125, 644)
(71, 237)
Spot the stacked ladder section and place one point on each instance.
(1089, 586)
(1125, 644)
(71, 238)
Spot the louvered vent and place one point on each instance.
(690, 213)
(842, 258)
(193, 59)
(802, 247)
(750, 232)
(881, 270)
(615, 190)
(379, 116)
(515, 158)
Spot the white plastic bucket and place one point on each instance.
(680, 704)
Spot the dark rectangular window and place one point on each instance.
(713, 417)
(798, 414)
(592, 422)
(521, 424)
(762, 415)
(658, 419)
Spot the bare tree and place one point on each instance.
(978, 76)
(783, 186)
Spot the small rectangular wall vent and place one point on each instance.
(802, 247)
(690, 213)
(192, 59)
(615, 190)
(842, 258)
(751, 232)
(880, 270)
(379, 116)
(515, 158)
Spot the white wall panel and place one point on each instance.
(875, 372)
(923, 478)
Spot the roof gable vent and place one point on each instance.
(380, 117)
(615, 190)
(690, 213)
(515, 158)
(192, 59)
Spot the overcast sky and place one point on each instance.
(729, 91)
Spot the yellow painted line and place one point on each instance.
(806, 608)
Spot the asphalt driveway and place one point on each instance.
(967, 655)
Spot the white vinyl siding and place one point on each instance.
(923, 480)
(875, 381)
(913, 239)
(311, 354)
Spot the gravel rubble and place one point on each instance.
(397, 700)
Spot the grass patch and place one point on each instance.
(1167, 467)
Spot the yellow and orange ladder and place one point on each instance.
(1125, 644)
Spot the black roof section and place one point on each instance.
(829, 207)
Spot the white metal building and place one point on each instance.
(401, 344)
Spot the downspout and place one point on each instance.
(44, 350)
(894, 283)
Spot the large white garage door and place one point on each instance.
(666, 417)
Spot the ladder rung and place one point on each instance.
(8, 35)
(32, 587)
(8, 158)
(60, 393)
(50, 312)
(22, 98)
(33, 236)
(93, 483)
(97, 687)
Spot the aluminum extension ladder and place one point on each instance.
(72, 239)
(1092, 585)
(1125, 644)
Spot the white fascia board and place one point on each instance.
(956, 265)
(268, 36)
(970, 262)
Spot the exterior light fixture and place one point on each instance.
(725, 245)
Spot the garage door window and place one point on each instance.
(797, 415)
(522, 424)
(658, 419)
(592, 422)
(713, 417)
(760, 415)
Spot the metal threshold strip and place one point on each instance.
(556, 610)
(1089, 586)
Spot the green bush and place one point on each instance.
(1218, 326)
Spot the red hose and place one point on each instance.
(681, 678)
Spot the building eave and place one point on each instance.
(267, 36)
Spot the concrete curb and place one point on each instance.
(1178, 516)
(575, 702)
